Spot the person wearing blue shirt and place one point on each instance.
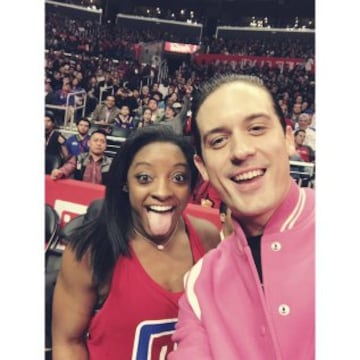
(78, 143)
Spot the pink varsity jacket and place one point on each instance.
(225, 314)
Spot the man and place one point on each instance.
(253, 296)
(105, 113)
(310, 134)
(92, 166)
(56, 151)
(156, 111)
(78, 143)
(174, 117)
(305, 152)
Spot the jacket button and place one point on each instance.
(284, 310)
(275, 246)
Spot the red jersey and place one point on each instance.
(305, 152)
(138, 317)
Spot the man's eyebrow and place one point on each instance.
(247, 119)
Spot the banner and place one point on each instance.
(180, 48)
(249, 60)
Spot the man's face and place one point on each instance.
(147, 115)
(169, 112)
(297, 108)
(110, 102)
(124, 111)
(245, 151)
(83, 127)
(49, 125)
(303, 122)
(152, 105)
(299, 138)
(97, 144)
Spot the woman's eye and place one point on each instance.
(143, 178)
(180, 178)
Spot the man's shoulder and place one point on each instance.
(207, 267)
(71, 138)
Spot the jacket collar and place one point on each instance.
(285, 216)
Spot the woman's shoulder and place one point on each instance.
(208, 232)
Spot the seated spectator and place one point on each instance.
(305, 152)
(304, 124)
(105, 113)
(62, 97)
(125, 96)
(284, 109)
(159, 98)
(146, 118)
(93, 94)
(78, 143)
(92, 166)
(55, 148)
(124, 119)
(156, 112)
(225, 219)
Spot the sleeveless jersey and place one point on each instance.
(138, 318)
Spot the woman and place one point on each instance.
(146, 118)
(130, 261)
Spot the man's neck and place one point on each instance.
(96, 157)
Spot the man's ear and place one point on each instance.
(201, 167)
(290, 141)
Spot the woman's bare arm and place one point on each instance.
(74, 299)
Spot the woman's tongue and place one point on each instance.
(160, 222)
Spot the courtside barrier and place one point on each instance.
(71, 198)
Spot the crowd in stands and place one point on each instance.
(122, 93)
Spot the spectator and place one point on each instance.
(156, 112)
(93, 94)
(126, 97)
(124, 119)
(78, 143)
(64, 99)
(226, 222)
(310, 133)
(92, 166)
(305, 152)
(140, 246)
(174, 117)
(55, 148)
(296, 111)
(146, 118)
(105, 113)
(263, 273)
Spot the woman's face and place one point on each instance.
(159, 188)
(147, 115)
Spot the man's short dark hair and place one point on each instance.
(98, 131)
(215, 83)
(299, 131)
(83, 119)
(50, 115)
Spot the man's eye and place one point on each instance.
(218, 142)
(257, 130)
